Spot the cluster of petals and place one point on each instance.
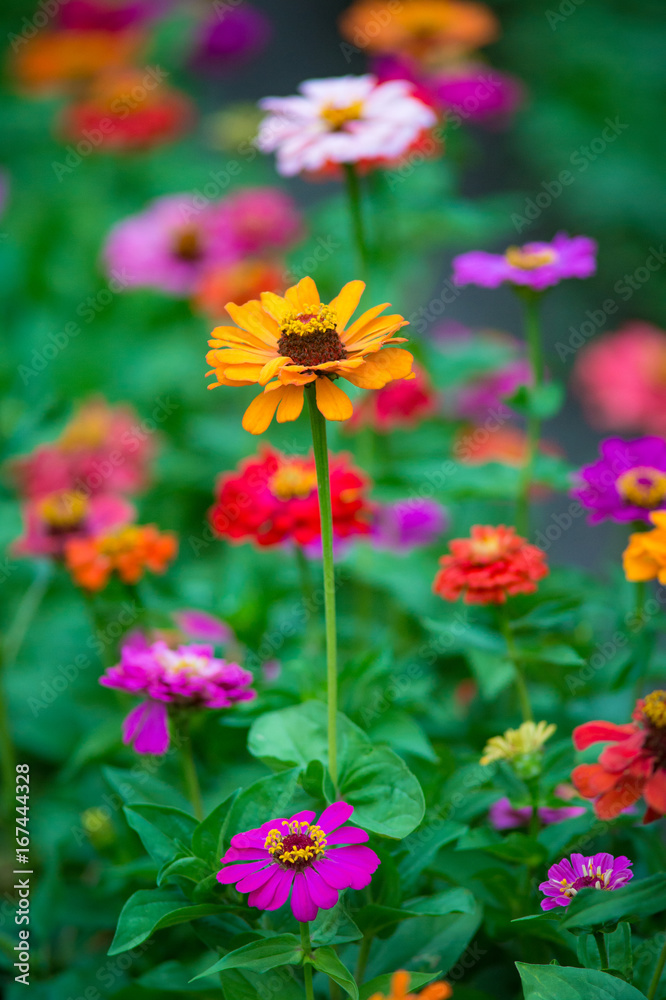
(312, 860)
(53, 520)
(536, 265)
(343, 120)
(272, 499)
(492, 565)
(188, 677)
(400, 985)
(127, 552)
(529, 738)
(408, 524)
(619, 379)
(568, 877)
(286, 343)
(628, 481)
(632, 765)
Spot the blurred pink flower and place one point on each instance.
(476, 399)
(477, 93)
(260, 219)
(52, 520)
(408, 524)
(229, 36)
(504, 816)
(621, 379)
(106, 15)
(534, 265)
(202, 626)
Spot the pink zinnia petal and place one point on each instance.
(334, 815)
(302, 904)
(236, 872)
(347, 835)
(321, 892)
(147, 728)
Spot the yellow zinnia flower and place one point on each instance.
(285, 343)
(400, 984)
(527, 739)
(645, 556)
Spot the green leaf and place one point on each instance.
(493, 672)
(591, 908)
(373, 919)
(386, 796)
(269, 797)
(435, 942)
(149, 910)
(164, 831)
(334, 926)
(555, 982)
(243, 984)
(382, 984)
(208, 837)
(260, 956)
(325, 960)
(191, 868)
(138, 786)
(423, 845)
(543, 401)
(520, 848)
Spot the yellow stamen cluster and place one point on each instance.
(293, 480)
(529, 738)
(654, 709)
(120, 540)
(309, 320)
(65, 509)
(487, 548)
(88, 429)
(337, 118)
(287, 847)
(644, 486)
(526, 261)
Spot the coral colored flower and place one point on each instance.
(52, 520)
(633, 765)
(489, 567)
(239, 282)
(566, 878)
(535, 265)
(61, 60)
(408, 524)
(504, 816)
(313, 861)
(645, 556)
(478, 93)
(131, 110)
(273, 498)
(400, 984)
(285, 343)
(426, 30)
(402, 404)
(128, 551)
(342, 120)
(620, 379)
(528, 739)
(189, 677)
(628, 481)
(225, 40)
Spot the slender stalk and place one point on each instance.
(521, 684)
(318, 425)
(363, 955)
(534, 818)
(535, 356)
(600, 938)
(355, 210)
(188, 765)
(311, 642)
(659, 968)
(307, 968)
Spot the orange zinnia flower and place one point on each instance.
(645, 556)
(286, 343)
(61, 60)
(400, 984)
(129, 552)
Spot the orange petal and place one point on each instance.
(275, 305)
(246, 374)
(346, 301)
(384, 366)
(383, 325)
(364, 318)
(332, 402)
(291, 403)
(251, 317)
(307, 292)
(259, 413)
(271, 368)
(232, 356)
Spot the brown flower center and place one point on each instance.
(310, 338)
(187, 244)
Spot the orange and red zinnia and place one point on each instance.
(400, 985)
(286, 343)
(493, 564)
(632, 765)
(128, 552)
(63, 60)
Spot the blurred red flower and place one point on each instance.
(492, 565)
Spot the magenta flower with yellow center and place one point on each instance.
(535, 265)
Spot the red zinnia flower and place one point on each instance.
(495, 563)
(273, 498)
(398, 404)
(633, 765)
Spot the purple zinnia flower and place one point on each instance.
(477, 93)
(504, 816)
(200, 625)
(312, 861)
(228, 37)
(627, 482)
(535, 265)
(478, 398)
(186, 677)
(601, 871)
(407, 524)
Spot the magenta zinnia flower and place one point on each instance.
(186, 677)
(408, 524)
(505, 816)
(311, 861)
(535, 265)
(628, 481)
(601, 871)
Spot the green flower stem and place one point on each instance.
(534, 351)
(521, 684)
(188, 765)
(363, 955)
(534, 818)
(318, 425)
(659, 968)
(600, 938)
(306, 944)
(354, 197)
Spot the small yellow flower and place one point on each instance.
(527, 739)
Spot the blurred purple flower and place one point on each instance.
(477, 93)
(408, 524)
(535, 265)
(504, 816)
(475, 400)
(628, 481)
(229, 37)
(200, 625)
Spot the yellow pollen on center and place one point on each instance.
(644, 486)
(293, 480)
(309, 320)
(487, 548)
(64, 510)
(296, 843)
(120, 541)
(337, 118)
(526, 261)
(654, 709)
